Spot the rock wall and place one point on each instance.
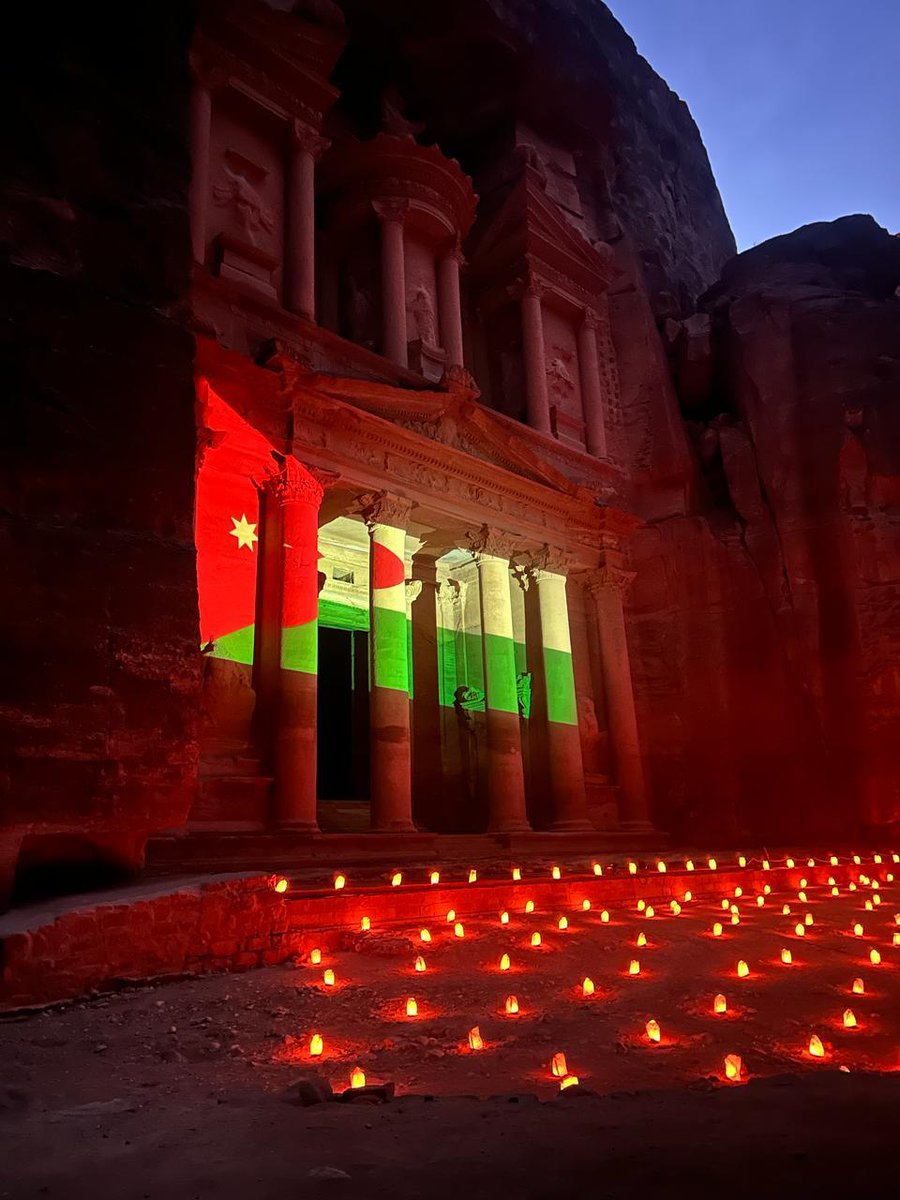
(98, 593)
(766, 615)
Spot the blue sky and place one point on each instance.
(798, 102)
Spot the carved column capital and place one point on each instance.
(590, 320)
(451, 592)
(391, 208)
(292, 482)
(382, 508)
(307, 138)
(413, 590)
(528, 285)
(549, 560)
(495, 543)
(607, 579)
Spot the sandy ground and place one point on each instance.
(179, 1089)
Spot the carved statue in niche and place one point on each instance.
(562, 385)
(240, 194)
(467, 700)
(422, 311)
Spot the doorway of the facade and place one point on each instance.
(343, 729)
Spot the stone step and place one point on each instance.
(232, 801)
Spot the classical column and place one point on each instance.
(300, 228)
(427, 751)
(386, 517)
(298, 492)
(505, 776)
(391, 214)
(266, 675)
(537, 403)
(449, 305)
(591, 389)
(607, 587)
(565, 769)
(200, 125)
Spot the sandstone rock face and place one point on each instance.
(768, 624)
(99, 589)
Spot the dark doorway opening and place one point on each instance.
(343, 729)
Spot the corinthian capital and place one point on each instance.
(291, 482)
(391, 208)
(382, 508)
(307, 138)
(607, 579)
(495, 543)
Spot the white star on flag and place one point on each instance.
(244, 531)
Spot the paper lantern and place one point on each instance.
(504, 962)
(808, 920)
(632, 868)
(688, 897)
(434, 877)
(529, 906)
(733, 1067)
(858, 929)
(357, 1078)
(717, 929)
(849, 1018)
(734, 909)
(328, 977)
(315, 957)
(869, 906)
(800, 929)
(835, 891)
(451, 915)
(858, 987)
(339, 882)
(804, 883)
(720, 1004)
(476, 1042)
(641, 939)
(767, 889)
(365, 924)
(555, 873)
(876, 858)
(765, 864)
(833, 860)
(856, 859)
(424, 935)
(634, 967)
(816, 1049)
(516, 874)
(570, 1081)
(587, 986)
(316, 1045)
(689, 864)
(558, 1065)
(420, 963)
(874, 957)
(473, 876)
(726, 904)
(504, 918)
(735, 919)
(598, 870)
(876, 900)
(742, 969)
(564, 922)
(760, 901)
(641, 905)
(604, 916)
(786, 910)
(661, 867)
(458, 929)
(652, 1028)
(650, 911)
(675, 907)
(280, 886)
(585, 904)
(897, 937)
(738, 892)
(789, 863)
(396, 879)
(801, 896)
(742, 862)
(786, 956)
(512, 1006)
(412, 1008)
(851, 887)
(712, 864)
(535, 938)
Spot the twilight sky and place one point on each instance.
(798, 102)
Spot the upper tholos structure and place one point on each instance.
(387, 455)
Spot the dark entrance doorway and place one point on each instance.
(343, 729)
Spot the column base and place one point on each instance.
(297, 826)
(512, 826)
(394, 827)
(637, 827)
(581, 825)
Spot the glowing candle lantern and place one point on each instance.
(874, 957)
(833, 860)
(869, 906)
(849, 1019)
(720, 1004)
(789, 863)
(504, 918)
(831, 881)
(858, 929)
(315, 957)
(835, 891)
(412, 1008)
(733, 1067)
(767, 889)
(897, 937)
(742, 862)
(504, 962)
(801, 896)
(365, 924)
(604, 916)
(434, 878)
(424, 935)
(316, 1045)
(512, 1006)
(535, 938)
(765, 864)
(632, 868)
(570, 1081)
(634, 967)
(856, 859)
(458, 929)
(810, 862)
(876, 858)
(641, 905)
(420, 963)
(339, 882)
(529, 906)
(357, 1078)
(895, 858)
(735, 919)
(564, 922)
(689, 864)
(328, 977)
(396, 879)
(587, 986)
(808, 919)
(650, 911)
(858, 987)
(738, 892)
(804, 883)
(742, 969)
(598, 869)
(652, 1028)
(558, 1065)
(661, 867)
(717, 929)
(890, 877)
(516, 874)
(451, 915)
(675, 907)
(688, 897)
(712, 864)
(585, 904)
(476, 1041)
(875, 885)
(851, 887)
(725, 905)
(816, 1049)
(473, 876)
(800, 929)
(876, 900)
(641, 939)
(760, 901)
(786, 956)
(555, 873)
(280, 886)
(734, 909)
(786, 910)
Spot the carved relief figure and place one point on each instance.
(240, 195)
(422, 310)
(559, 375)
